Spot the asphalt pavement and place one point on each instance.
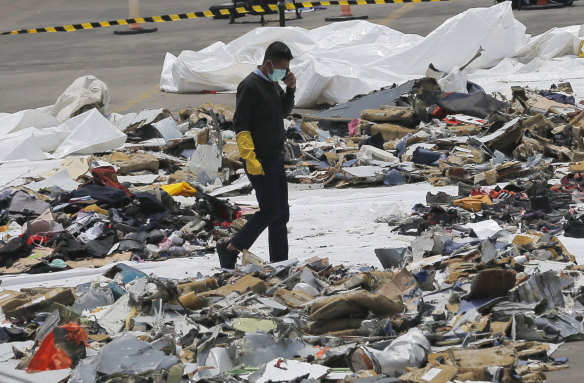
(36, 68)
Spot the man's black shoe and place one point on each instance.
(574, 227)
(227, 258)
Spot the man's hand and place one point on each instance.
(290, 80)
(254, 167)
(247, 151)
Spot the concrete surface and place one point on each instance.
(574, 374)
(35, 69)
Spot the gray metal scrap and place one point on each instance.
(545, 288)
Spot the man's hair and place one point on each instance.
(278, 51)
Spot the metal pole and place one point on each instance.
(282, 14)
(134, 7)
(298, 13)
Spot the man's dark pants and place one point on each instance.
(272, 195)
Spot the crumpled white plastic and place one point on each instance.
(205, 162)
(92, 233)
(20, 147)
(335, 62)
(408, 350)
(32, 134)
(85, 93)
(455, 81)
(89, 133)
(28, 118)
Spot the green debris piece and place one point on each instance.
(175, 374)
(242, 370)
(66, 313)
(253, 324)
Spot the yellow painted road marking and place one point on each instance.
(139, 98)
(397, 13)
(239, 10)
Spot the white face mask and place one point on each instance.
(277, 74)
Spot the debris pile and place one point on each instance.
(485, 292)
(459, 318)
(444, 137)
(156, 196)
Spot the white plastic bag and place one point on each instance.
(455, 81)
(409, 350)
(84, 93)
(205, 162)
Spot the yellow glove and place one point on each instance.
(247, 152)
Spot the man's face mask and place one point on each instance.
(277, 74)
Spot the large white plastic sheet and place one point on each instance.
(27, 135)
(87, 133)
(90, 132)
(73, 125)
(547, 58)
(21, 146)
(338, 61)
(27, 118)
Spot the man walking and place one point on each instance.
(260, 108)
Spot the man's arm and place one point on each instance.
(245, 100)
(244, 103)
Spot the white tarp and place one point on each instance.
(14, 174)
(340, 60)
(61, 179)
(20, 146)
(33, 134)
(90, 132)
(85, 93)
(27, 118)
(87, 133)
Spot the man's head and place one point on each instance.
(277, 57)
